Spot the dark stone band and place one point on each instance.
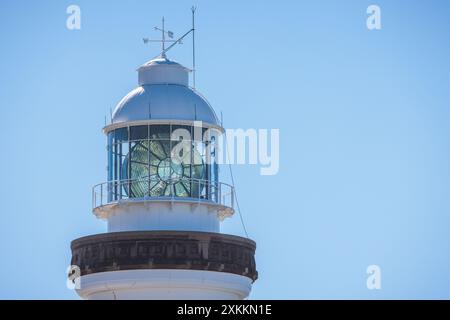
(187, 250)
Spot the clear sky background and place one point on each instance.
(364, 124)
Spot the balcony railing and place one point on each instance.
(151, 188)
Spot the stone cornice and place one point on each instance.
(165, 250)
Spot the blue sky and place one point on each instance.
(364, 126)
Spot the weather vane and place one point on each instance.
(167, 36)
(164, 34)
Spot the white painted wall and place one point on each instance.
(164, 285)
(142, 216)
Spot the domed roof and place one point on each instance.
(163, 94)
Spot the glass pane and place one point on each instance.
(146, 168)
(135, 169)
(169, 190)
(117, 160)
(179, 131)
(121, 134)
(197, 133)
(157, 188)
(181, 190)
(160, 132)
(159, 150)
(181, 152)
(110, 138)
(138, 133)
(210, 134)
(110, 155)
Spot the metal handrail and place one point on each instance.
(113, 191)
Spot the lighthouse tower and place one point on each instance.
(163, 201)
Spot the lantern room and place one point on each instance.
(161, 147)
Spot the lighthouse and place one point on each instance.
(163, 200)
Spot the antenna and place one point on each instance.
(193, 45)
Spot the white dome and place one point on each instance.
(163, 94)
